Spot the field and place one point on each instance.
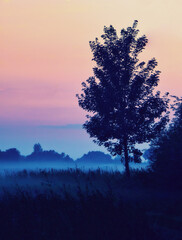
(94, 204)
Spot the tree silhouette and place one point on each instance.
(11, 154)
(37, 148)
(123, 108)
(166, 151)
(95, 157)
(41, 155)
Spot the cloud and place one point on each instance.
(2, 90)
(6, 89)
(68, 126)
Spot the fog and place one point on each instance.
(41, 176)
(48, 165)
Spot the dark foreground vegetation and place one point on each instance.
(71, 204)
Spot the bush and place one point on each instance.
(166, 152)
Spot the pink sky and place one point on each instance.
(45, 55)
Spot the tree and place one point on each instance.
(37, 148)
(166, 150)
(11, 154)
(123, 108)
(95, 157)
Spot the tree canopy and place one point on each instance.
(122, 107)
(166, 150)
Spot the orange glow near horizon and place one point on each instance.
(45, 55)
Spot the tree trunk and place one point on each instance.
(127, 169)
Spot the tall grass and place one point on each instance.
(88, 205)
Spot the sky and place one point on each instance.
(45, 55)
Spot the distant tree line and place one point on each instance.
(10, 154)
(39, 154)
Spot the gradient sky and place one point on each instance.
(45, 55)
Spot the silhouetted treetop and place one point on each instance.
(123, 107)
(11, 154)
(95, 157)
(37, 148)
(43, 155)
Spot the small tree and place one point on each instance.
(123, 108)
(37, 148)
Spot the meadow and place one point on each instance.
(94, 204)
